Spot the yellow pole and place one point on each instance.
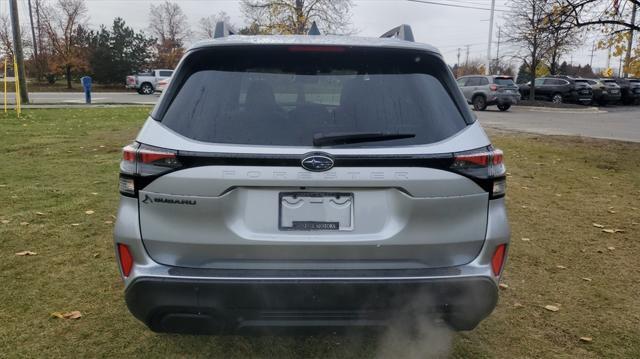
(17, 81)
(5, 84)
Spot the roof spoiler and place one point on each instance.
(222, 30)
(402, 32)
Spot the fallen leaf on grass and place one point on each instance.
(26, 253)
(526, 239)
(586, 339)
(89, 212)
(619, 230)
(5, 221)
(69, 315)
(503, 286)
(96, 255)
(108, 222)
(598, 225)
(94, 193)
(551, 308)
(40, 213)
(561, 267)
(611, 248)
(595, 178)
(3, 185)
(612, 211)
(518, 305)
(608, 231)
(75, 224)
(24, 223)
(586, 279)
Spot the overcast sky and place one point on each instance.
(447, 28)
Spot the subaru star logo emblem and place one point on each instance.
(317, 162)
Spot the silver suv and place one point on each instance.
(483, 91)
(288, 181)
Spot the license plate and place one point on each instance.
(614, 91)
(315, 211)
(584, 92)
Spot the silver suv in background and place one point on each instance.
(483, 91)
(296, 181)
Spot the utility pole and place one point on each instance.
(33, 33)
(627, 60)
(593, 48)
(458, 63)
(493, 8)
(466, 61)
(17, 49)
(498, 50)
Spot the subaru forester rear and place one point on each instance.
(287, 181)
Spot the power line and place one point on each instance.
(454, 5)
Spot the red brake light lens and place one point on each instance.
(140, 160)
(305, 48)
(126, 259)
(498, 259)
(485, 165)
(493, 87)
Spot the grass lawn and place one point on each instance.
(59, 164)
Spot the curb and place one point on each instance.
(563, 110)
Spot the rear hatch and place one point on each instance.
(313, 157)
(506, 85)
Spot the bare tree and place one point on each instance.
(527, 27)
(63, 23)
(296, 16)
(169, 24)
(598, 12)
(207, 25)
(563, 37)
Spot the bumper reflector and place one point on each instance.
(498, 259)
(126, 260)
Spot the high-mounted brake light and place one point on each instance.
(305, 48)
(485, 165)
(142, 161)
(126, 259)
(497, 261)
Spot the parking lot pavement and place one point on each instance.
(617, 123)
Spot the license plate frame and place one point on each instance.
(342, 220)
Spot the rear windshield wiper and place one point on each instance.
(321, 139)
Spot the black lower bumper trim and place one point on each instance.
(231, 306)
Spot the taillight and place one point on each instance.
(141, 162)
(493, 87)
(497, 261)
(485, 165)
(126, 259)
(313, 48)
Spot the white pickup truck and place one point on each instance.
(146, 82)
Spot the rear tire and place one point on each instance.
(479, 103)
(145, 89)
(504, 107)
(556, 98)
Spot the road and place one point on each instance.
(618, 123)
(71, 98)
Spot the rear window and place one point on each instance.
(285, 95)
(504, 81)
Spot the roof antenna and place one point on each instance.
(402, 32)
(314, 29)
(222, 30)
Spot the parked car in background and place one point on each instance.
(146, 82)
(162, 84)
(629, 89)
(605, 92)
(559, 89)
(309, 181)
(483, 91)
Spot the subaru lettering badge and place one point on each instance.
(317, 162)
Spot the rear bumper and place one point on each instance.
(504, 99)
(187, 305)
